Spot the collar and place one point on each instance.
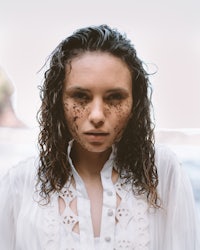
(106, 170)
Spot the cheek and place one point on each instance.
(73, 115)
(122, 114)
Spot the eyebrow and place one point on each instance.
(117, 90)
(74, 88)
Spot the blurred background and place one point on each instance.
(166, 35)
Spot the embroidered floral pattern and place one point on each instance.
(123, 245)
(123, 215)
(136, 215)
(68, 193)
(132, 225)
(69, 218)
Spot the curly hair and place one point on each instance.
(135, 150)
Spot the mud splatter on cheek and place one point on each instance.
(122, 113)
(75, 118)
(71, 115)
(66, 107)
(75, 115)
(108, 110)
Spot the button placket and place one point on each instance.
(108, 210)
(107, 239)
(109, 193)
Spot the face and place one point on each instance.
(97, 99)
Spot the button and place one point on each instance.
(109, 193)
(110, 212)
(107, 239)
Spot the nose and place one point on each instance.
(97, 114)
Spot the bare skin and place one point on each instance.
(97, 101)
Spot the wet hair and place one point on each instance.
(135, 151)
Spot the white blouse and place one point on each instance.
(127, 222)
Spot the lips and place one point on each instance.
(96, 136)
(96, 133)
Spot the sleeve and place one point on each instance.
(181, 226)
(7, 224)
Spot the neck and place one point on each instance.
(88, 164)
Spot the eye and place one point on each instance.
(80, 96)
(115, 98)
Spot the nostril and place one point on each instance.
(97, 124)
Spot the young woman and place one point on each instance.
(99, 182)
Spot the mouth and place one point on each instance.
(96, 133)
(96, 137)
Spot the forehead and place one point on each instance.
(98, 68)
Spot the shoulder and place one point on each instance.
(172, 179)
(164, 153)
(168, 167)
(166, 159)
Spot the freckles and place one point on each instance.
(117, 130)
(71, 116)
(76, 114)
(75, 118)
(122, 113)
(65, 106)
(76, 111)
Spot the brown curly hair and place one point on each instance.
(135, 151)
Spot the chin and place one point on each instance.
(100, 150)
(92, 147)
(97, 148)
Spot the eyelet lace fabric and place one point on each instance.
(134, 217)
(127, 222)
(69, 218)
(131, 219)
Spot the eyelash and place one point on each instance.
(110, 99)
(80, 96)
(115, 97)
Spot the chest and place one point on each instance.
(122, 220)
(109, 217)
